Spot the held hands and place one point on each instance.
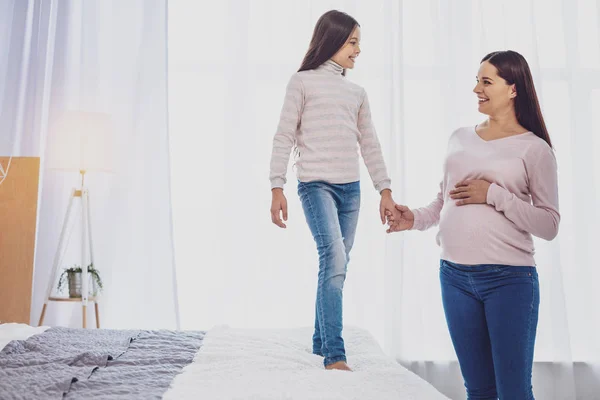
(386, 206)
(400, 219)
(278, 207)
(470, 192)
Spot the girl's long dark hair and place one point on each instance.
(330, 34)
(513, 68)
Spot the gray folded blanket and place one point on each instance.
(101, 364)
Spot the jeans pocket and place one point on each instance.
(445, 269)
(301, 189)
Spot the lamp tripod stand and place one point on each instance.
(82, 194)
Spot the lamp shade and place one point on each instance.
(81, 140)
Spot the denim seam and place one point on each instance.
(345, 199)
(528, 372)
(319, 298)
(473, 287)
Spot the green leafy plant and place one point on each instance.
(62, 281)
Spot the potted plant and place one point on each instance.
(71, 277)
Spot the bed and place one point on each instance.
(222, 363)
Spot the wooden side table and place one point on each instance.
(74, 299)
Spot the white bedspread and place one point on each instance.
(278, 364)
(12, 331)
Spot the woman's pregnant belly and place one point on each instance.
(480, 227)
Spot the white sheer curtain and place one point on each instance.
(419, 60)
(107, 56)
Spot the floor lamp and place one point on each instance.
(79, 141)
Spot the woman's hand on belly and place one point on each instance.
(470, 192)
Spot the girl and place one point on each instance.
(327, 118)
(499, 189)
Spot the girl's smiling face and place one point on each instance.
(346, 56)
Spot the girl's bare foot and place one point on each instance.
(341, 365)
